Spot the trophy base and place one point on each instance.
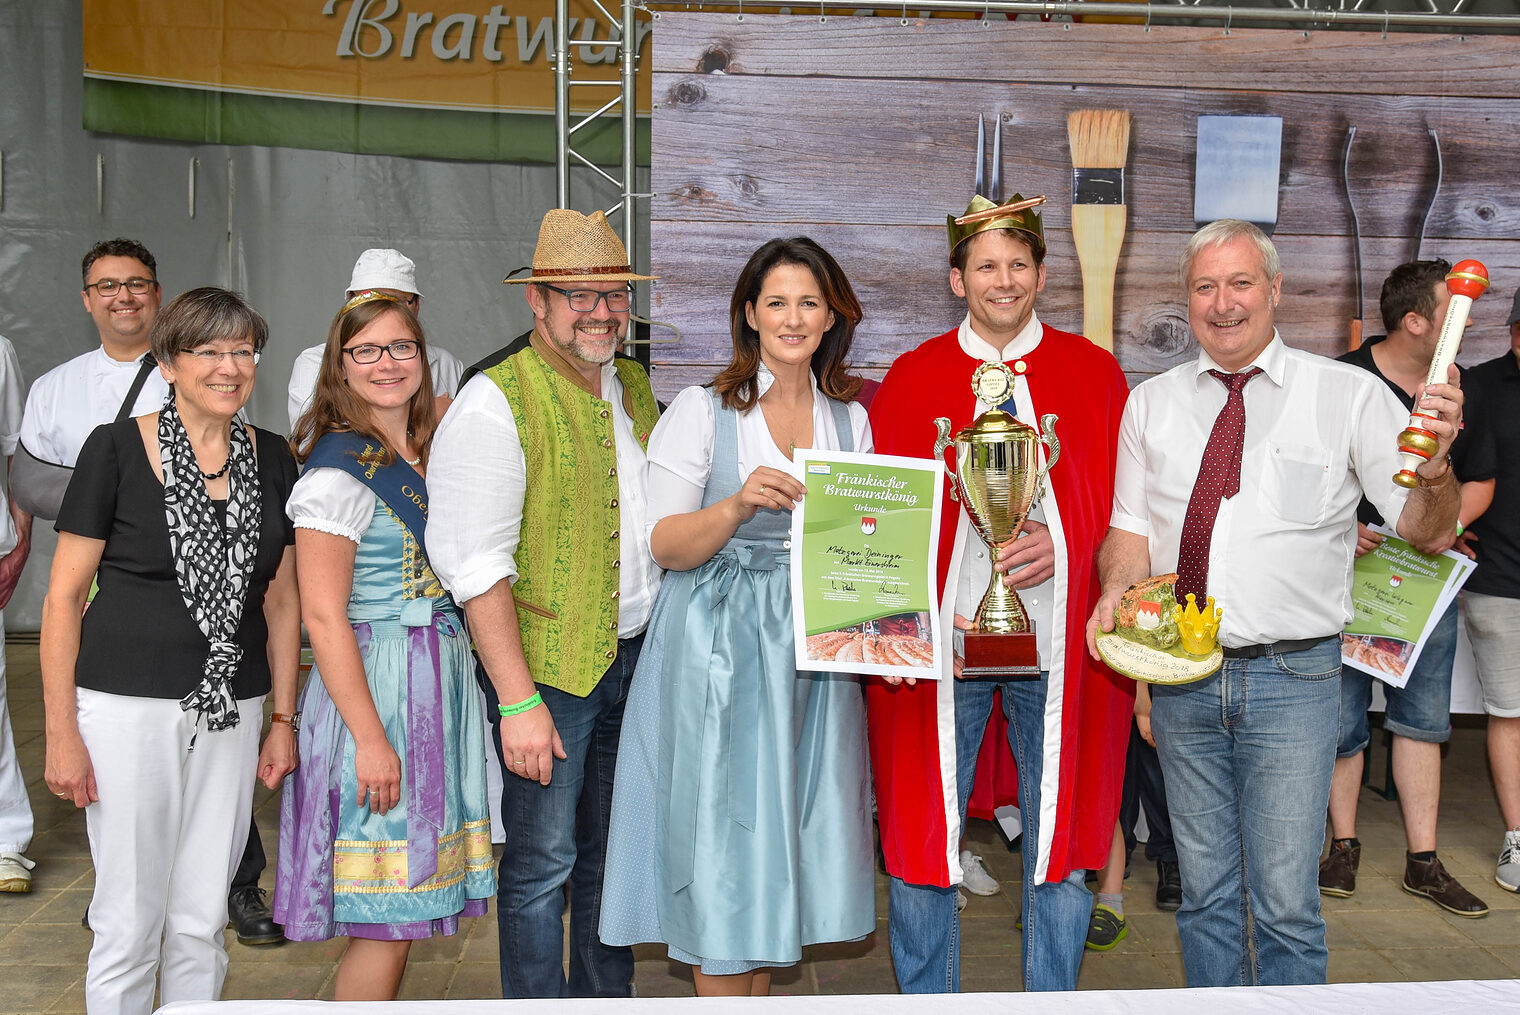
(989, 656)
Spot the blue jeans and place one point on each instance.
(558, 834)
(1247, 755)
(1420, 710)
(922, 920)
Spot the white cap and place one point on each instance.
(384, 268)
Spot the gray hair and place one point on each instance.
(1223, 231)
(202, 316)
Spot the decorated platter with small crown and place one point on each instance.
(1158, 640)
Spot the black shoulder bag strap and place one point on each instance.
(149, 364)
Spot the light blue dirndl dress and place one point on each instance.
(755, 774)
(413, 871)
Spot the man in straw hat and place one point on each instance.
(537, 527)
(1068, 728)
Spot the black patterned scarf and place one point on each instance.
(214, 564)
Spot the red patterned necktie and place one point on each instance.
(1218, 479)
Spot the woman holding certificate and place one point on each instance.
(754, 774)
(385, 835)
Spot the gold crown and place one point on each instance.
(1024, 220)
(364, 296)
(1199, 629)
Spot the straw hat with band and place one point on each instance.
(1024, 221)
(578, 248)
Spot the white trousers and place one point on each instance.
(165, 835)
(15, 807)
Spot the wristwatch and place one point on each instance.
(291, 719)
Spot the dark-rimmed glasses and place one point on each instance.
(110, 287)
(399, 351)
(584, 301)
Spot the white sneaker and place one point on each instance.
(975, 877)
(1508, 873)
(15, 872)
(960, 900)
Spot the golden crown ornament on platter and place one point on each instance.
(1160, 641)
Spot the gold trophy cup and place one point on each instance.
(996, 476)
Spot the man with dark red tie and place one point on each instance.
(1242, 471)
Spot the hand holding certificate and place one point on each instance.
(1399, 594)
(864, 545)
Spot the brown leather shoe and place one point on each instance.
(1337, 872)
(1429, 878)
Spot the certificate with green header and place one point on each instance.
(1399, 594)
(864, 543)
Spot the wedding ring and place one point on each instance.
(763, 489)
(63, 796)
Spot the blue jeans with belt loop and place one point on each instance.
(558, 834)
(1247, 755)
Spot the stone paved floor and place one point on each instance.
(1380, 934)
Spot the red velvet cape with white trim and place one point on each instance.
(1083, 385)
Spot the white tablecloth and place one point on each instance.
(1453, 997)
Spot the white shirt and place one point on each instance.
(331, 501)
(976, 560)
(681, 447)
(303, 377)
(10, 425)
(68, 402)
(1318, 435)
(476, 481)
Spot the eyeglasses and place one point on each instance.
(399, 351)
(211, 357)
(110, 286)
(583, 301)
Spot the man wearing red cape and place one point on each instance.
(1069, 728)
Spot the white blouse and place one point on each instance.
(681, 447)
(331, 501)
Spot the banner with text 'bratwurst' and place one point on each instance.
(459, 79)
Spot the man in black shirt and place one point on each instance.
(1414, 302)
(1491, 598)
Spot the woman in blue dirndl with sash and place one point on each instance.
(385, 835)
(741, 821)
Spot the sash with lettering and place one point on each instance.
(398, 484)
(404, 491)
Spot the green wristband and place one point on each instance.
(521, 706)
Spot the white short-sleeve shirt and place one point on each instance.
(1319, 434)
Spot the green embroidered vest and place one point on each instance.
(569, 556)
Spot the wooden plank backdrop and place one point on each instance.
(860, 132)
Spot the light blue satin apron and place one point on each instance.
(755, 774)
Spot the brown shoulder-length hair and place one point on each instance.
(737, 381)
(334, 406)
